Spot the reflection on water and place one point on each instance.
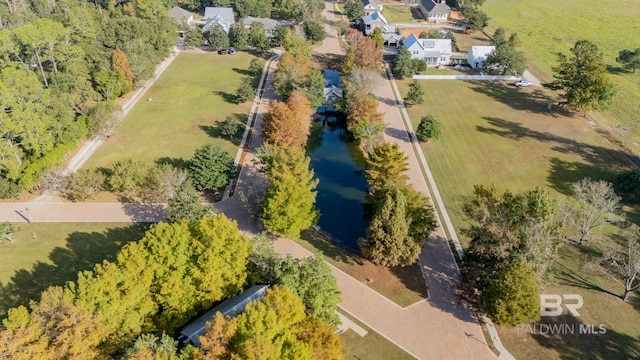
(339, 166)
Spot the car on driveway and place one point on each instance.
(523, 83)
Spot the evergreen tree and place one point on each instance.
(239, 36)
(245, 90)
(429, 128)
(511, 297)
(386, 166)
(289, 204)
(629, 59)
(210, 168)
(401, 65)
(388, 242)
(185, 205)
(415, 94)
(217, 38)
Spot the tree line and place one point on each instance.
(61, 64)
(515, 238)
(134, 307)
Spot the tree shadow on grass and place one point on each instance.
(600, 161)
(179, 163)
(82, 251)
(617, 70)
(243, 72)
(227, 97)
(573, 339)
(569, 277)
(536, 101)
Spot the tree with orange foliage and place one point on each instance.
(362, 109)
(120, 66)
(289, 123)
(291, 74)
(367, 53)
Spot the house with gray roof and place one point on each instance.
(181, 15)
(222, 16)
(371, 6)
(435, 10)
(230, 307)
(269, 24)
(434, 52)
(371, 22)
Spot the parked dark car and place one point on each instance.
(222, 51)
(232, 51)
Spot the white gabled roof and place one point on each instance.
(481, 51)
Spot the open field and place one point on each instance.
(548, 27)
(402, 285)
(372, 346)
(47, 254)
(186, 102)
(494, 133)
(397, 13)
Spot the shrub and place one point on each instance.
(129, 176)
(230, 127)
(418, 65)
(8, 189)
(102, 119)
(83, 184)
(428, 129)
(31, 174)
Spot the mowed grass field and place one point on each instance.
(186, 103)
(47, 254)
(548, 27)
(397, 13)
(494, 133)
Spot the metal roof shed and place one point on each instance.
(229, 307)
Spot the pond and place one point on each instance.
(339, 165)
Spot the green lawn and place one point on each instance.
(48, 254)
(372, 346)
(402, 285)
(397, 14)
(548, 27)
(187, 101)
(494, 133)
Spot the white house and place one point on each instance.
(434, 51)
(478, 55)
(435, 10)
(371, 6)
(373, 21)
(218, 16)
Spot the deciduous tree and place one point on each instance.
(83, 184)
(217, 38)
(594, 204)
(353, 9)
(120, 66)
(289, 123)
(583, 77)
(624, 265)
(629, 59)
(311, 279)
(289, 205)
(368, 131)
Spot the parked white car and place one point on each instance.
(523, 83)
